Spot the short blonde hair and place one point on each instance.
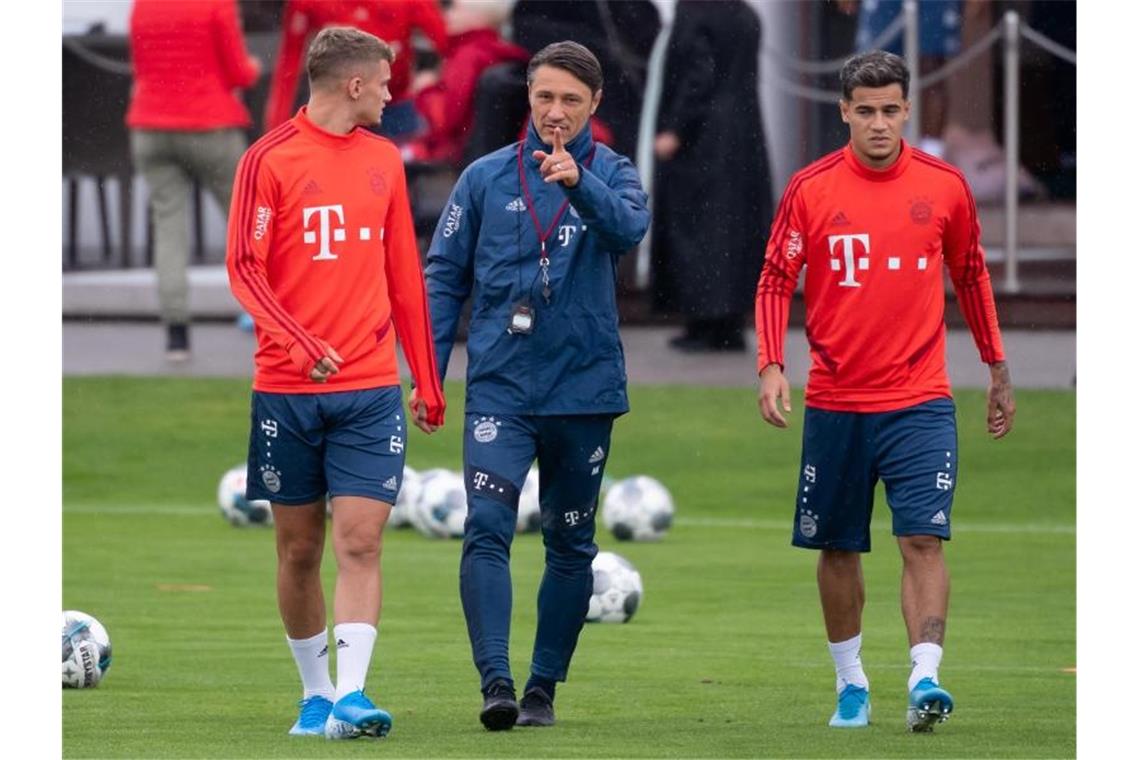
(335, 48)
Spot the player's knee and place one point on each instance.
(839, 560)
(569, 548)
(301, 554)
(489, 520)
(358, 544)
(920, 548)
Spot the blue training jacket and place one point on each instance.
(486, 246)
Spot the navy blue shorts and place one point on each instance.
(303, 446)
(915, 453)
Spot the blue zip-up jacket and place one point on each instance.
(486, 246)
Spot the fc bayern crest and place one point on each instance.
(808, 526)
(486, 429)
(271, 480)
(376, 181)
(921, 211)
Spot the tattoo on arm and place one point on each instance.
(933, 630)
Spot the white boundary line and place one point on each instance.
(186, 510)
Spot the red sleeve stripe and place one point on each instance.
(433, 367)
(257, 287)
(774, 317)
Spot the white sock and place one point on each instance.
(848, 663)
(354, 643)
(924, 659)
(312, 658)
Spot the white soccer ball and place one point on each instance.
(530, 515)
(235, 507)
(410, 488)
(617, 590)
(638, 509)
(442, 507)
(86, 650)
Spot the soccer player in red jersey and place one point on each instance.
(874, 223)
(322, 253)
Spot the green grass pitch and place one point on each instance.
(726, 657)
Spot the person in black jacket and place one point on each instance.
(712, 197)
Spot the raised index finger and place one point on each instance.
(558, 139)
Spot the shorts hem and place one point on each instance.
(287, 502)
(843, 546)
(943, 534)
(374, 495)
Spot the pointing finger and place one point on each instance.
(558, 140)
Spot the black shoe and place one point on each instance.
(500, 710)
(536, 708)
(177, 342)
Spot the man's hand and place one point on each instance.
(773, 389)
(558, 166)
(418, 409)
(1001, 407)
(666, 145)
(327, 366)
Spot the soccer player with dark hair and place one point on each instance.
(874, 223)
(533, 232)
(322, 253)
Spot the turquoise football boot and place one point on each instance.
(852, 708)
(354, 715)
(314, 712)
(929, 704)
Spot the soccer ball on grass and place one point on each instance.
(442, 507)
(638, 509)
(86, 650)
(237, 509)
(617, 590)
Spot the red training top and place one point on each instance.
(390, 20)
(188, 58)
(874, 243)
(322, 250)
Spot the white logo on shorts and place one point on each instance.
(598, 455)
(939, 518)
(943, 481)
(395, 444)
(809, 473)
(808, 525)
(486, 429)
(390, 484)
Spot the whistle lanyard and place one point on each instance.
(543, 259)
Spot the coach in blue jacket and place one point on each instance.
(532, 233)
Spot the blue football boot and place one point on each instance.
(354, 715)
(929, 704)
(852, 708)
(314, 712)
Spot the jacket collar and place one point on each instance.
(580, 147)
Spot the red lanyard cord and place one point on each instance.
(543, 237)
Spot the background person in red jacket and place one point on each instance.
(390, 20)
(446, 101)
(186, 124)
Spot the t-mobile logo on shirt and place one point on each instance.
(848, 263)
(338, 233)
